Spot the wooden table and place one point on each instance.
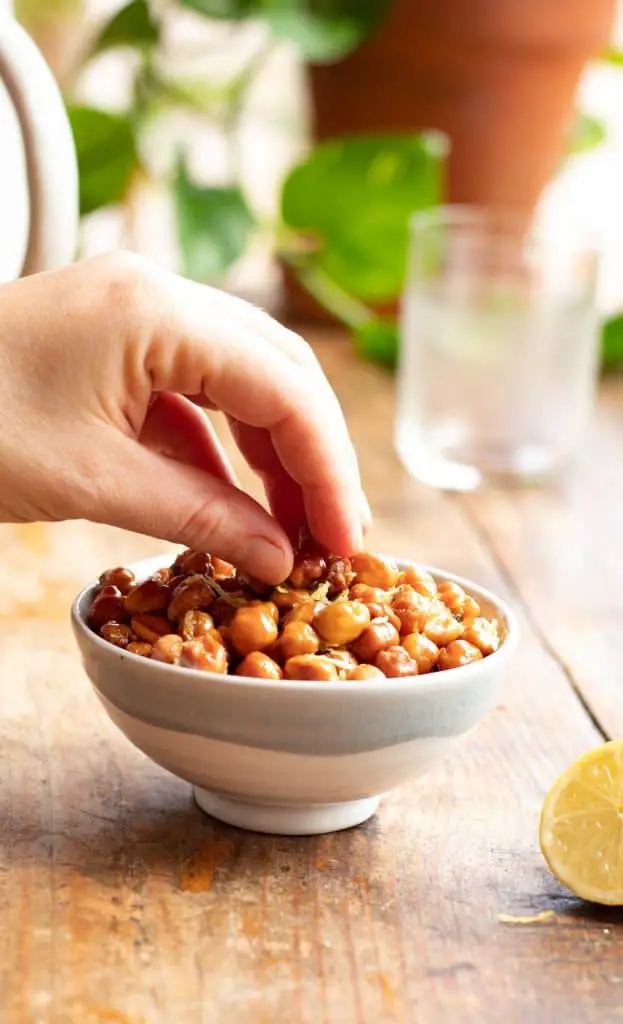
(120, 902)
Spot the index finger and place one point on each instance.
(202, 345)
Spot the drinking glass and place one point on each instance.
(499, 354)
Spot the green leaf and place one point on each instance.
(323, 30)
(133, 25)
(377, 340)
(587, 133)
(107, 156)
(352, 200)
(612, 343)
(230, 10)
(213, 227)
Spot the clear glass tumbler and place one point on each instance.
(499, 350)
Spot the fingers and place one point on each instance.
(207, 346)
(176, 428)
(138, 489)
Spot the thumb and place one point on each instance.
(140, 490)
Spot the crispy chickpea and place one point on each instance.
(192, 563)
(221, 569)
(195, 624)
(340, 575)
(369, 595)
(222, 611)
(139, 647)
(289, 599)
(122, 579)
(395, 662)
(150, 627)
(315, 667)
(458, 653)
(168, 649)
(341, 622)
(258, 665)
(375, 570)
(116, 634)
(343, 660)
(207, 655)
(411, 609)
(381, 633)
(420, 580)
(423, 651)
(297, 638)
(149, 596)
(308, 569)
(253, 628)
(457, 600)
(164, 575)
(192, 593)
(268, 606)
(441, 627)
(482, 633)
(366, 672)
(108, 606)
(305, 612)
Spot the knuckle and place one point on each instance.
(126, 283)
(206, 525)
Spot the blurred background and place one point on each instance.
(278, 147)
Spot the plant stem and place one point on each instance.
(344, 307)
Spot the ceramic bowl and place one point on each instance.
(291, 758)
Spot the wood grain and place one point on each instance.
(120, 902)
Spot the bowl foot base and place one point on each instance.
(279, 820)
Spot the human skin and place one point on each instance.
(103, 368)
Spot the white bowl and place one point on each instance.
(291, 758)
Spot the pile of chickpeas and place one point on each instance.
(333, 619)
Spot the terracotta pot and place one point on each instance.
(498, 76)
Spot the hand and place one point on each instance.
(103, 367)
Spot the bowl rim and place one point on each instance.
(430, 681)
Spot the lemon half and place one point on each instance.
(581, 828)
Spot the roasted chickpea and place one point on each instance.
(192, 563)
(308, 569)
(116, 634)
(454, 597)
(423, 651)
(207, 655)
(150, 627)
(341, 622)
(253, 628)
(343, 660)
(420, 580)
(168, 649)
(376, 637)
(366, 672)
(458, 653)
(441, 627)
(222, 611)
(259, 666)
(108, 606)
(395, 662)
(305, 612)
(375, 570)
(411, 609)
(149, 596)
(482, 633)
(192, 593)
(268, 606)
(286, 600)
(340, 575)
(316, 667)
(297, 638)
(369, 595)
(139, 647)
(222, 570)
(195, 625)
(122, 579)
(164, 575)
